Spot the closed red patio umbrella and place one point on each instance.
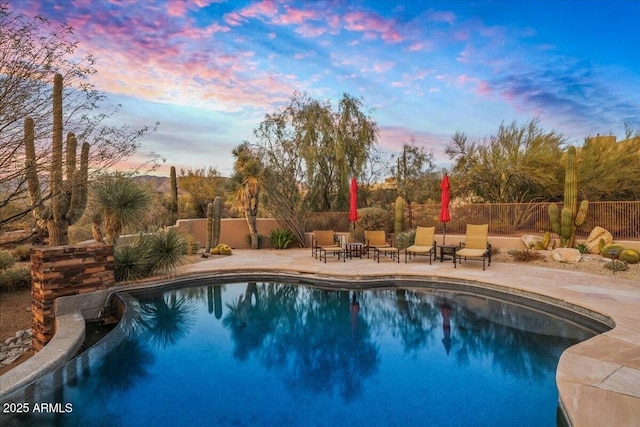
(444, 205)
(353, 203)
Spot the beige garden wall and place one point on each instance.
(233, 231)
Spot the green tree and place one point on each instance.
(610, 170)
(287, 197)
(518, 164)
(335, 144)
(246, 184)
(119, 202)
(416, 175)
(32, 51)
(201, 186)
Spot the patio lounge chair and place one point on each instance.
(323, 242)
(423, 244)
(476, 245)
(375, 239)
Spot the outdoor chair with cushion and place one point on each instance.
(476, 245)
(323, 242)
(375, 239)
(423, 244)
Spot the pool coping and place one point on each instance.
(598, 380)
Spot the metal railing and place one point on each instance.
(622, 219)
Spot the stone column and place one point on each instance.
(61, 271)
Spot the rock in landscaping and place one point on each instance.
(566, 255)
(593, 241)
(530, 240)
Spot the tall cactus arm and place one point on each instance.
(33, 183)
(554, 217)
(570, 182)
(78, 201)
(56, 155)
(581, 217)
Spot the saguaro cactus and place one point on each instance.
(174, 194)
(399, 216)
(565, 222)
(209, 231)
(217, 214)
(68, 194)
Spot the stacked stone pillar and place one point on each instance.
(61, 271)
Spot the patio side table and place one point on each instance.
(448, 250)
(355, 249)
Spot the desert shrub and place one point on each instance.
(525, 255)
(372, 219)
(582, 248)
(616, 265)
(6, 259)
(13, 279)
(22, 252)
(405, 239)
(281, 238)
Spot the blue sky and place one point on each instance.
(209, 70)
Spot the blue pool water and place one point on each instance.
(266, 354)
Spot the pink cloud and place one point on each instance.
(483, 88)
(372, 24)
(382, 67)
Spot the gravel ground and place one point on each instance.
(593, 264)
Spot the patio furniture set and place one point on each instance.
(475, 246)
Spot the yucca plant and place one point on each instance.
(164, 250)
(281, 238)
(129, 263)
(120, 202)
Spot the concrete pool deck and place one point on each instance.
(598, 380)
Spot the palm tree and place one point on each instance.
(119, 202)
(246, 183)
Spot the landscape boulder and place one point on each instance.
(593, 241)
(566, 255)
(530, 240)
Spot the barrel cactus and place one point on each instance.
(612, 251)
(630, 256)
(564, 222)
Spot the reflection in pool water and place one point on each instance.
(278, 354)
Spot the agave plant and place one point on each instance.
(281, 238)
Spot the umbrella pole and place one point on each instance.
(444, 233)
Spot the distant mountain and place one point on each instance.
(158, 184)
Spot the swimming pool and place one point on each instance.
(261, 353)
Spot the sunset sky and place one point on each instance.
(209, 70)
